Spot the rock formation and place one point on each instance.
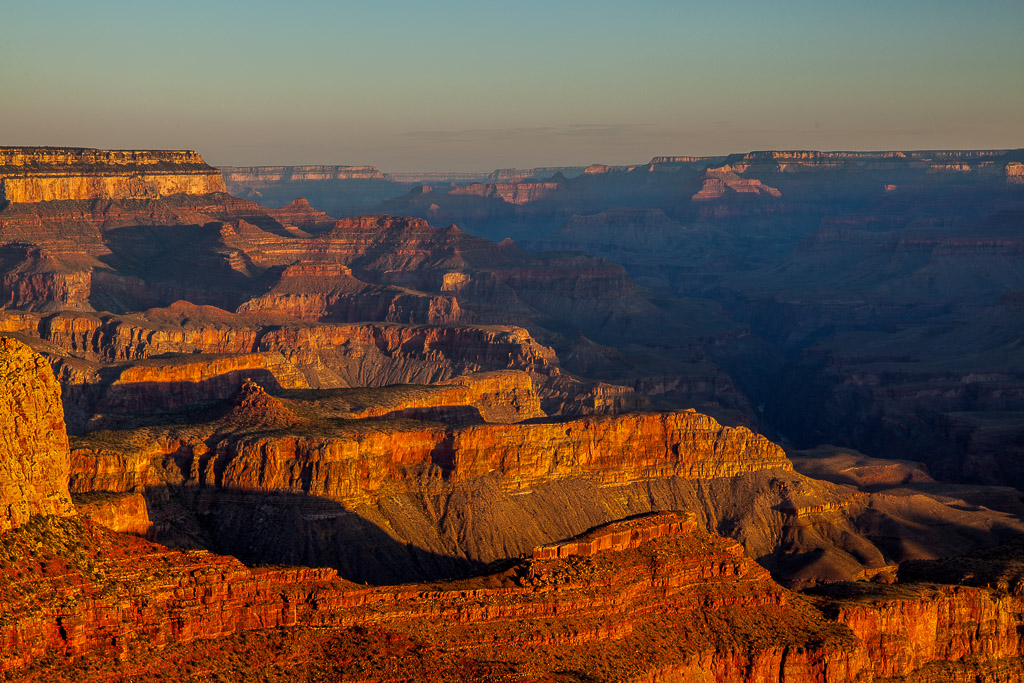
(726, 179)
(513, 193)
(42, 174)
(250, 176)
(1015, 172)
(34, 456)
(642, 599)
(387, 398)
(438, 480)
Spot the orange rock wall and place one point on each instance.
(1015, 172)
(609, 450)
(622, 536)
(948, 623)
(49, 188)
(34, 456)
(29, 175)
(126, 514)
(131, 590)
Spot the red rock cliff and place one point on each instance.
(34, 457)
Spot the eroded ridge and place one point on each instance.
(621, 535)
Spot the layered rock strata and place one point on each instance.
(34, 455)
(72, 588)
(405, 482)
(512, 193)
(720, 181)
(43, 174)
(168, 358)
(667, 603)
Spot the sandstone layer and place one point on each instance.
(34, 456)
(648, 599)
(402, 483)
(44, 174)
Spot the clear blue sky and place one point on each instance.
(452, 85)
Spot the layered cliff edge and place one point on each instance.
(414, 482)
(641, 599)
(34, 458)
(645, 599)
(41, 174)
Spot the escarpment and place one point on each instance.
(45, 174)
(720, 181)
(164, 359)
(512, 193)
(647, 598)
(74, 589)
(692, 603)
(254, 176)
(451, 442)
(34, 457)
(406, 482)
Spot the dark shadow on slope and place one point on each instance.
(155, 265)
(134, 404)
(294, 529)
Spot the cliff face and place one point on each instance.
(403, 483)
(1015, 172)
(34, 456)
(605, 450)
(71, 589)
(912, 626)
(42, 174)
(165, 359)
(327, 292)
(643, 599)
(718, 182)
(512, 193)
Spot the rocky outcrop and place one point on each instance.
(328, 292)
(642, 599)
(168, 358)
(906, 627)
(725, 180)
(517, 175)
(34, 456)
(126, 513)
(1015, 172)
(495, 397)
(512, 193)
(300, 214)
(71, 588)
(619, 536)
(454, 488)
(43, 174)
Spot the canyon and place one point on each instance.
(747, 417)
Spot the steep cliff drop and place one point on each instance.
(34, 457)
(43, 174)
(404, 483)
(650, 598)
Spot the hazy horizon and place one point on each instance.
(456, 86)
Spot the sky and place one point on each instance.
(450, 85)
